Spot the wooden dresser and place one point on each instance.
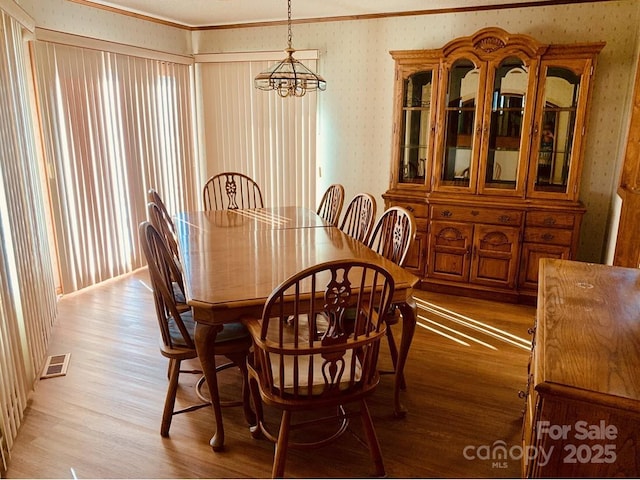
(582, 415)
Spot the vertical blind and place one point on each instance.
(113, 126)
(269, 138)
(27, 287)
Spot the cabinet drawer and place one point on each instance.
(417, 209)
(476, 215)
(551, 219)
(548, 235)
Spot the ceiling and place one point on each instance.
(211, 13)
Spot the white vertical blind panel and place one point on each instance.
(257, 133)
(113, 125)
(27, 288)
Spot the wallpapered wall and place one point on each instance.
(356, 110)
(70, 17)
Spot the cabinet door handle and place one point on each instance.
(504, 218)
(549, 221)
(446, 213)
(547, 237)
(475, 213)
(410, 208)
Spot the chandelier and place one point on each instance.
(289, 77)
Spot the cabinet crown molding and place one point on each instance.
(493, 40)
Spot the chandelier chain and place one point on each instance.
(289, 21)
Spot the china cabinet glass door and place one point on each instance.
(557, 141)
(462, 127)
(504, 153)
(416, 132)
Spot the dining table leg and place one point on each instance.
(205, 339)
(408, 311)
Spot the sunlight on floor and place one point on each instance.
(459, 321)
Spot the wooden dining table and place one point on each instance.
(233, 259)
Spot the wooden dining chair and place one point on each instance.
(230, 191)
(154, 196)
(331, 204)
(164, 225)
(177, 331)
(392, 238)
(293, 371)
(359, 217)
(158, 218)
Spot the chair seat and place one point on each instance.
(318, 380)
(178, 294)
(230, 331)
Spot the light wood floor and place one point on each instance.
(102, 419)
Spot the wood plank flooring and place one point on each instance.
(102, 419)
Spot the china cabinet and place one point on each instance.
(488, 139)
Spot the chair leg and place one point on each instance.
(170, 400)
(372, 439)
(256, 430)
(393, 350)
(249, 414)
(280, 455)
(240, 360)
(260, 429)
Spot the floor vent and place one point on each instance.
(56, 366)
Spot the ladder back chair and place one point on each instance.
(331, 204)
(230, 191)
(392, 238)
(359, 217)
(294, 371)
(177, 331)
